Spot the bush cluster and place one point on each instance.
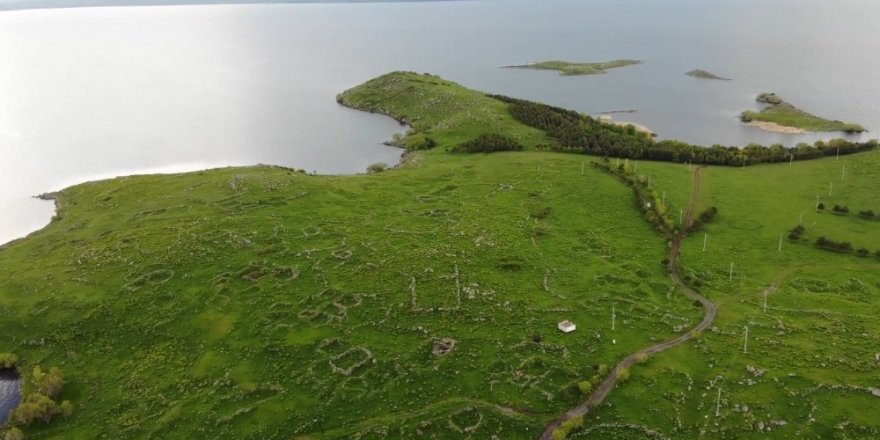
(39, 403)
(488, 143)
(831, 245)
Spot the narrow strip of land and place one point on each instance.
(674, 269)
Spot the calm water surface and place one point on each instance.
(10, 393)
(98, 92)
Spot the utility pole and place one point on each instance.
(705, 241)
(791, 160)
(718, 404)
(830, 188)
(843, 174)
(801, 221)
(746, 343)
(766, 291)
(731, 271)
(582, 168)
(780, 242)
(636, 167)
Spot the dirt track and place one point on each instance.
(674, 269)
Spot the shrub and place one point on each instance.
(540, 213)
(377, 167)
(419, 141)
(868, 215)
(708, 215)
(8, 360)
(863, 252)
(13, 434)
(840, 209)
(641, 357)
(820, 206)
(66, 408)
(585, 387)
(52, 383)
(795, 234)
(623, 374)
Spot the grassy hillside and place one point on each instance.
(233, 303)
(438, 109)
(261, 303)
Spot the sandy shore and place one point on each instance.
(775, 128)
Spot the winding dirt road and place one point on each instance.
(674, 269)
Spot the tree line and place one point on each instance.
(578, 133)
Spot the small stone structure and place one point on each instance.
(566, 326)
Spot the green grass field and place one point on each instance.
(260, 303)
(817, 341)
(567, 68)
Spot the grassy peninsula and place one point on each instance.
(566, 68)
(422, 301)
(705, 74)
(780, 113)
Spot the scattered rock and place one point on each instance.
(443, 347)
(755, 371)
(875, 392)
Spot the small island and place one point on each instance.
(566, 68)
(705, 74)
(782, 117)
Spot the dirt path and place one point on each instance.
(674, 269)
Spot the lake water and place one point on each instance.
(10, 393)
(97, 92)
